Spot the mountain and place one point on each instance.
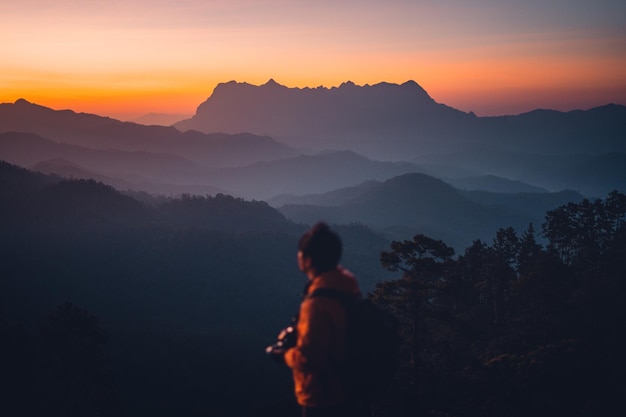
(289, 129)
(70, 170)
(16, 182)
(332, 198)
(417, 203)
(530, 205)
(595, 131)
(34, 202)
(405, 205)
(495, 184)
(375, 120)
(169, 174)
(306, 174)
(134, 183)
(28, 149)
(593, 174)
(23, 116)
(159, 119)
(399, 122)
(138, 170)
(91, 131)
(38, 203)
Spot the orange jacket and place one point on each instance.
(321, 342)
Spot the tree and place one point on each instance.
(423, 262)
(19, 364)
(580, 234)
(505, 246)
(76, 381)
(529, 251)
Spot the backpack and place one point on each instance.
(372, 345)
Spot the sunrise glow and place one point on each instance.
(128, 58)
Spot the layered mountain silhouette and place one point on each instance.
(426, 204)
(125, 170)
(306, 174)
(96, 132)
(170, 174)
(400, 122)
(494, 184)
(375, 120)
(159, 119)
(593, 174)
(262, 141)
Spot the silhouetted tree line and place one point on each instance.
(515, 328)
(58, 369)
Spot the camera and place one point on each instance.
(286, 339)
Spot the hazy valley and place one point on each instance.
(279, 144)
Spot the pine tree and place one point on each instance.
(423, 262)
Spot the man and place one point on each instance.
(320, 345)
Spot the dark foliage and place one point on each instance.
(59, 369)
(223, 212)
(513, 328)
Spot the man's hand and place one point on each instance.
(276, 353)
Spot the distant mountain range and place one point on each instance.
(87, 130)
(159, 119)
(494, 184)
(161, 173)
(35, 204)
(399, 122)
(592, 174)
(307, 174)
(420, 203)
(263, 141)
(381, 121)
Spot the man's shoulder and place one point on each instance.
(338, 280)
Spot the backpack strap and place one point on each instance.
(341, 296)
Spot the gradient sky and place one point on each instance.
(126, 58)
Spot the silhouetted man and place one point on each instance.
(320, 346)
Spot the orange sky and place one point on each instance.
(126, 58)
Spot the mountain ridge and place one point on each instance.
(397, 121)
(383, 122)
(305, 174)
(419, 203)
(327, 116)
(170, 174)
(97, 132)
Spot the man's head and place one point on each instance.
(319, 249)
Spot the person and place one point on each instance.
(321, 325)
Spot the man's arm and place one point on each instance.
(314, 333)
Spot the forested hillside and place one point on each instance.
(188, 290)
(511, 327)
(420, 203)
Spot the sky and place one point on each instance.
(127, 58)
